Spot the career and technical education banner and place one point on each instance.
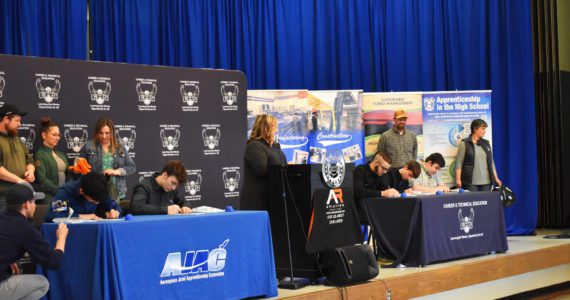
(313, 124)
(378, 113)
(447, 120)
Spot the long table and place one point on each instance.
(420, 230)
(211, 256)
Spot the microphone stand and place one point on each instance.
(290, 284)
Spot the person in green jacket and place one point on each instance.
(51, 164)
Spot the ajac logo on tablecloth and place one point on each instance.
(190, 90)
(192, 185)
(146, 91)
(196, 265)
(211, 136)
(27, 134)
(99, 89)
(170, 136)
(230, 91)
(75, 137)
(230, 176)
(48, 87)
(127, 135)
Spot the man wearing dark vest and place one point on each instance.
(474, 167)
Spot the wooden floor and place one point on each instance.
(532, 262)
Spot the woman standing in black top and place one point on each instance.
(261, 152)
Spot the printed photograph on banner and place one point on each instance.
(447, 118)
(300, 157)
(317, 155)
(293, 116)
(336, 121)
(352, 153)
(378, 116)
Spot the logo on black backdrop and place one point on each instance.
(75, 137)
(27, 135)
(48, 87)
(100, 89)
(192, 186)
(190, 90)
(170, 136)
(211, 137)
(127, 135)
(2, 85)
(230, 91)
(147, 90)
(429, 103)
(145, 174)
(466, 223)
(230, 176)
(333, 169)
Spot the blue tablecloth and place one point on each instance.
(213, 256)
(425, 229)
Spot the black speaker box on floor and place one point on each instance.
(348, 265)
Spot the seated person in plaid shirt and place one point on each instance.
(429, 181)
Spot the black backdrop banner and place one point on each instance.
(197, 116)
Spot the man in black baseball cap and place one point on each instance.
(11, 110)
(16, 162)
(18, 236)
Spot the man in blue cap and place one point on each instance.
(18, 236)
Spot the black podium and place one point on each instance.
(302, 183)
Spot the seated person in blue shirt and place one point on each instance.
(89, 198)
(157, 195)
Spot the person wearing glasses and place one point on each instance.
(158, 194)
(367, 181)
(429, 181)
